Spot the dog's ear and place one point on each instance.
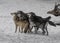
(20, 12)
(13, 13)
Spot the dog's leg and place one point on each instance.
(46, 30)
(43, 29)
(19, 28)
(16, 29)
(31, 28)
(25, 30)
(36, 29)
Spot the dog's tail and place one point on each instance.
(57, 23)
(48, 18)
(52, 23)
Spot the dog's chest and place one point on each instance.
(31, 23)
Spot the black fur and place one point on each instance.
(37, 20)
(23, 16)
(52, 23)
(57, 23)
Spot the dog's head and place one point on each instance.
(31, 14)
(20, 12)
(22, 15)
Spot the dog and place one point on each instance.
(55, 11)
(39, 22)
(20, 22)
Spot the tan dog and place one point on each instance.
(20, 23)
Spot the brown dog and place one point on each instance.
(20, 23)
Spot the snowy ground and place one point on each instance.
(7, 26)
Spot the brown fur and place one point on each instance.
(23, 24)
(55, 11)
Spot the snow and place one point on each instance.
(7, 27)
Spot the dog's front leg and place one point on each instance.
(19, 28)
(16, 29)
(36, 29)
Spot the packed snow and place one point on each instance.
(7, 27)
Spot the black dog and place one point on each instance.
(37, 22)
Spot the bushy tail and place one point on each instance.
(52, 23)
(48, 18)
(57, 23)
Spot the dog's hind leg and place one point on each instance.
(43, 29)
(46, 30)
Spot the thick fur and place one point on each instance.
(52, 23)
(57, 23)
(20, 23)
(38, 21)
(22, 16)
